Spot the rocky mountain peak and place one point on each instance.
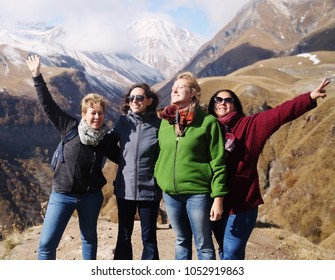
(163, 45)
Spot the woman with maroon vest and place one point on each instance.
(245, 138)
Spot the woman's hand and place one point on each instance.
(320, 91)
(34, 64)
(217, 209)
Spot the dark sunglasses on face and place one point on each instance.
(138, 98)
(219, 100)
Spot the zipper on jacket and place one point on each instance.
(94, 157)
(174, 166)
(139, 127)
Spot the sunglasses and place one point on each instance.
(219, 100)
(139, 98)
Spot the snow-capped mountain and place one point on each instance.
(263, 29)
(161, 50)
(115, 69)
(163, 45)
(260, 30)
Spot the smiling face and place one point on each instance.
(181, 94)
(224, 104)
(94, 116)
(138, 101)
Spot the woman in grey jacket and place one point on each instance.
(135, 186)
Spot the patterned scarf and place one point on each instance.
(180, 118)
(227, 122)
(90, 136)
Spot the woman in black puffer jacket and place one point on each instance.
(78, 178)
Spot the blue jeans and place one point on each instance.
(60, 209)
(189, 214)
(148, 211)
(232, 233)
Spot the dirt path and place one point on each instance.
(264, 244)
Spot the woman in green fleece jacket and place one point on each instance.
(191, 169)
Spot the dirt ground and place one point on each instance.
(264, 244)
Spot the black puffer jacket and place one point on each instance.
(81, 170)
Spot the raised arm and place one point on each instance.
(59, 118)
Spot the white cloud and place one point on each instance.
(100, 24)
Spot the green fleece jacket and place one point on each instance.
(195, 162)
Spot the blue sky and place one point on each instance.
(205, 17)
(101, 21)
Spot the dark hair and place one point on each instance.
(237, 102)
(148, 92)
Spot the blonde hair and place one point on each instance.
(93, 99)
(192, 83)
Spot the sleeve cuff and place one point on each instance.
(38, 80)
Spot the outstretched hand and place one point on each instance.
(34, 64)
(320, 91)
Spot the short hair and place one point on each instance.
(192, 83)
(93, 99)
(148, 92)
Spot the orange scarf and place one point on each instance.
(180, 118)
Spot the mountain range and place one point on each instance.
(271, 51)
(261, 30)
